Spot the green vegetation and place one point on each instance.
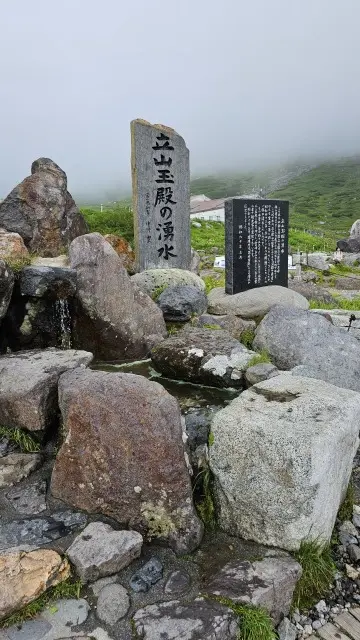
(211, 439)
(66, 589)
(260, 358)
(211, 234)
(254, 623)
(212, 283)
(318, 573)
(339, 303)
(17, 264)
(214, 327)
(23, 440)
(117, 219)
(204, 501)
(158, 291)
(247, 338)
(346, 509)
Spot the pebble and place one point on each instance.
(113, 603)
(148, 575)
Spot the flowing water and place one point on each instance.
(63, 320)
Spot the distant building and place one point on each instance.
(203, 208)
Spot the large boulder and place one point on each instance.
(282, 456)
(349, 245)
(154, 281)
(42, 210)
(348, 283)
(318, 261)
(123, 455)
(199, 620)
(12, 246)
(6, 287)
(355, 229)
(309, 342)
(205, 356)
(311, 291)
(25, 576)
(254, 303)
(113, 319)
(237, 327)
(351, 259)
(268, 583)
(28, 386)
(181, 302)
(341, 319)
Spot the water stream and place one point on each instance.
(63, 321)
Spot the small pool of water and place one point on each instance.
(188, 395)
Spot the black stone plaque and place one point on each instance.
(256, 244)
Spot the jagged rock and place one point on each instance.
(311, 291)
(199, 620)
(116, 321)
(25, 576)
(100, 551)
(260, 372)
(268, 583)
(254, 303)
(113, 604)
(147, 575)
(287, 630)
(181, 302)
(282, 457)
(349, 245)
(205, 356)
(124, 251)
(28, 388)
(54, 282)
(28, 500)
(6, 287)
(195, 261)
(32, 533)
(311, 346)
(16, 466)
(42, 211)
(232, 324)
(152, 281)
(155, 496)
(12, 246)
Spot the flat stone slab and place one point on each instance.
(54, 623)
(100, 551)
(37, 532)
(254, 303)
(43, 281)
(28, 500)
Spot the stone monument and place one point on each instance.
(161, 197)
(256, 243)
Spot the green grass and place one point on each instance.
(318, 573)
(254, 622)
(346, 509)
(212, 283)
(25, 442)
(117, 219)
(204, 501)
(247, 338)
(260, 358)
(66, 589)
(17, 264)
(339, 303)
(158, 291)
(211, 234)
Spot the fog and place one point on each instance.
(246, 83)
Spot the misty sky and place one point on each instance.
(245, 82)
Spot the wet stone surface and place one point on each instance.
(38, 532)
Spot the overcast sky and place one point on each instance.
(246, 82)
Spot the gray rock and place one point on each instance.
(308, 277)
(29, 380)
(232, 324)
(311, 344)
(29, 500)
(268, 583)
(117, 321)
(347, 283)
(42, 211)
(137, 495)
(100, 551)
(351, 259)
(349, 245)
(7, 446)
(113, 604)
(148, 575)
(178, 582)
(29, 630)
(180, 302)
(37, 532)
(53, 282)
(318, 261)
(205, 356)
(354, 552)
(152, 280)
(349, 528)
(16, 466)
(97, 586)
(63, 615)
(311, 291)
(355, 229)
(341, 319)
(287, 630)
(195, 261)
(260, 372)
(200, 620)
(6, 287)
(197, 426)
(254, 303)
(280, 453)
